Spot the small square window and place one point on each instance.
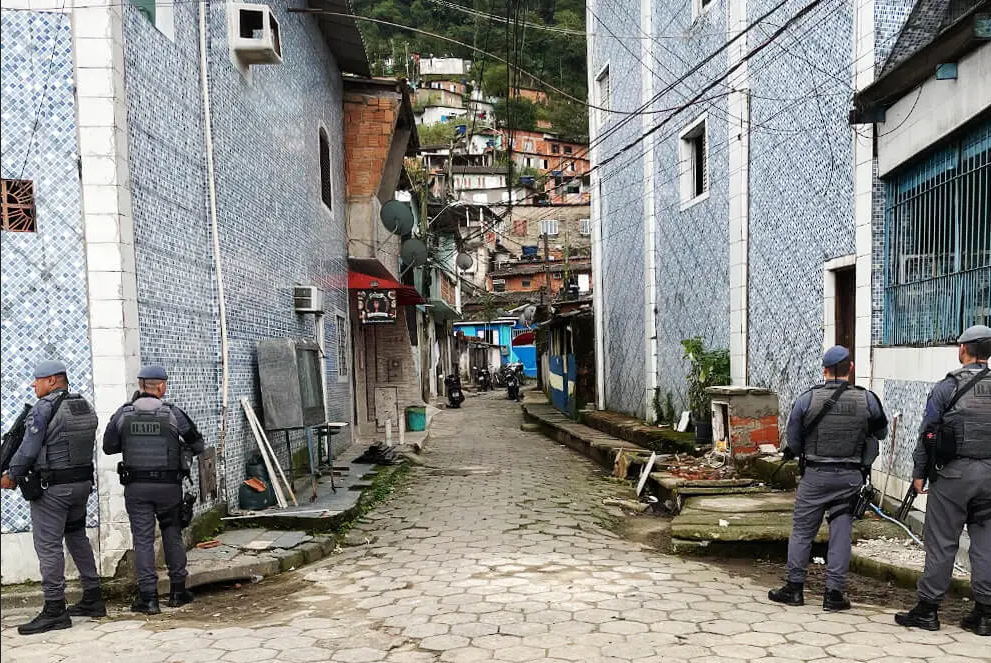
(585, 226)
(567, 149)
(525, 283)
(557, 276)
(18, 210)
(693, 161)
(498, 285)
(549, 227)
(555, 149)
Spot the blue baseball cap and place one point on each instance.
(834, 355)
(153, 372)
(48, 368)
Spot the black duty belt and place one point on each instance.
(71, 475)
(824, 465)
(154, 476)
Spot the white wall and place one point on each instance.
(20, 563)
(934, 110)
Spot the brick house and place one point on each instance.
(379, 132)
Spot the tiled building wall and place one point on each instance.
(274, 229)
(801, 194)
(44, 309)
(692, 243)
(621, 195)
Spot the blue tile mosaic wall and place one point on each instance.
(801, 194)
(801, 191)
(909, 398)
(44, 309)
(621, 193)
(691, 245)
(274, 230)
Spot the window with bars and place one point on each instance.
(326, 177)
(938, 243)
(602, 95)
(585, 226)
(694, 162)
(18, 210)
(549, 227)
(342, 346)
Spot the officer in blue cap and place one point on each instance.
(157, 440)
(56, 460)
(954, 454)
(834, 428)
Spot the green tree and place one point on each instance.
(516, 113)
(570, 120)
(440, 133)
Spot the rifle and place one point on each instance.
(13, 438)
(907, 501)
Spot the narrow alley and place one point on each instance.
(496, 550)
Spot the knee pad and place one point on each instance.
(979, 512)
(75, 525)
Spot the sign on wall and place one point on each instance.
(376, 307)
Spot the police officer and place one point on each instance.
(58, 446)
(961, 489)
(834, 427)
(156, 439)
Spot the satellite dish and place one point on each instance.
(464, 261)
(413, 252)
(397, 217)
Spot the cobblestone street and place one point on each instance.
(496, 551)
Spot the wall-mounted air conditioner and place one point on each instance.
(307, 299)
(255, 36)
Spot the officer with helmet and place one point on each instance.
(834, 427)
(954, 450)
(54, 467)
(156, 439)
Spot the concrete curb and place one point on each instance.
(899, 575)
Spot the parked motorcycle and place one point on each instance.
(452, 384)
(483, 378)
(498, 376)
(512, 385)
(517, 368)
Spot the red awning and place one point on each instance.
(526, 338)
(406, 295)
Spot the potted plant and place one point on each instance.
(708, 368)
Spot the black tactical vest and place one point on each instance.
(970, 418)
(150, 439)
(71, 435)
(841, 434)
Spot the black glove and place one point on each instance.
(788, 454)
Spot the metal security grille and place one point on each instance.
(938, 244)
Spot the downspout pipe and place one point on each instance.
(217, 259)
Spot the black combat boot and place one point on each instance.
(790, 594)
(978, 621)
(179, 595)
(52, 617)
(834, 601)
(146, 602)
(924, 615)
(91, 605)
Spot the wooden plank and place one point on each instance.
(249, 413)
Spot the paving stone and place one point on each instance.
(509, 567)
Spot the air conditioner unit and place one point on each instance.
(307, 299)
(255, 37)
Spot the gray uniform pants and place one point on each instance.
(818, 488)
(146, 502)
(60, 514)
(960, 482)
